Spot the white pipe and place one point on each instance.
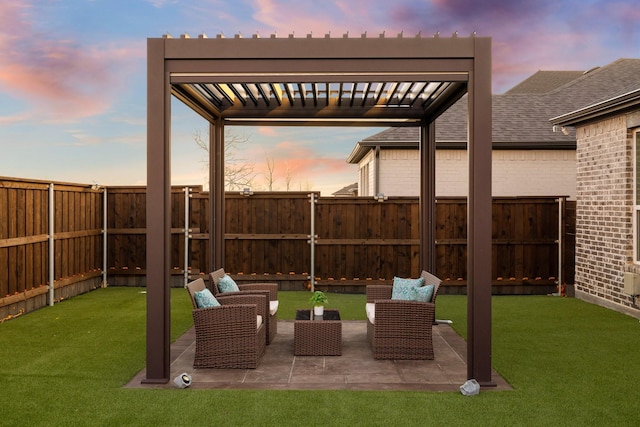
(376, 179)
(51, 246)
(104, 238)
(312, 243)
(187, 193)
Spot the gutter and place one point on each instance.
(609, 106)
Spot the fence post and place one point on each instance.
(187, 195)
(312, 242)
(51, 245)
(104, 238)
(560, 252)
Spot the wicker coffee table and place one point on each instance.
(317, 337)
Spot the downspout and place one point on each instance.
(560, 217)
(376, 178)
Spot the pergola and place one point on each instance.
(364, 81)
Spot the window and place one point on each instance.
(636, 196)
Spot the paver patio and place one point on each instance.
(356, 369)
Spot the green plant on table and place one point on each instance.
(318, 298)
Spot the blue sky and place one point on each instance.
(73, 90)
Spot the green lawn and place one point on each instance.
(570, 363)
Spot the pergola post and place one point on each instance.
(427, 196)
(479, 217)
(216, 195)
(158, 214)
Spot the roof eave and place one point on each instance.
(363, 147)
(358, 152)
(608, 107)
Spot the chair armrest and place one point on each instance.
(271, 287)
(378, 292)
(259, 298)
(240, 317)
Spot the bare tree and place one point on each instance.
(238, 173)
(306, 186)
(288, 178)
(269, 177)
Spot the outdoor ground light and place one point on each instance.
(470, 388)
(183, 380)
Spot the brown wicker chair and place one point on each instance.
(401, 329)
(229, 336)
(269, 289)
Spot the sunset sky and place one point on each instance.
(73, 74)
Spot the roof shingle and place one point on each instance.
(521, 115)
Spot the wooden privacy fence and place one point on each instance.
(49, 233)
(344, 243)
(58, 233)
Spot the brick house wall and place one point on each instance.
(604, 209)
(515, 173)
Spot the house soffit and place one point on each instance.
(319, 81)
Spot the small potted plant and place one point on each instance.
(318, 299)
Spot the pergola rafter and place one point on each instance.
(319, 82)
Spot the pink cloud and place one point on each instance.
(527, 36)
(302, 164)
(303, 172)
(59, 78)
(412, 17)
(15, 118)
(293, 149)
(267, 131)
(317, 18)
(531, 35)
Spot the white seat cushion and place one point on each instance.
(370, 309)
(258, 322)
(273, 307)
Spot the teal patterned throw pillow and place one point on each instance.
(205, 299)
(424, 293)
(405, 289)
(227, 284)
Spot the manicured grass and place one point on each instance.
(570, 363)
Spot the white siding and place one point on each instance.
(366, 175)
(534, 173)
(399, 172)
(515, 173)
